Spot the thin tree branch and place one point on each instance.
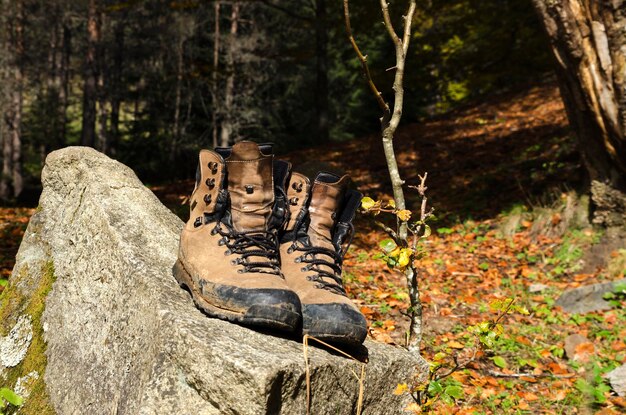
(408, 20)
(387, 229)
(401, 50)
(388, 25)
(363, 59)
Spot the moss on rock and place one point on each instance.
(13, 303)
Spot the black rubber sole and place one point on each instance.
(336, 323)
(276, 309)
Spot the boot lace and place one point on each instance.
(314, 258)
(260, 245)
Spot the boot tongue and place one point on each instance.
(250, 186)
(327, 194)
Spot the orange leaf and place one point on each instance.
(619, 401)
(584, 351)
(529, 396)
(528, 379)
(618, 345)
(557, 368)
(456, 345)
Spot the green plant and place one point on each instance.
(617, 296)
(482, 337)
(9, 398)
(595, 387)
(567, 256)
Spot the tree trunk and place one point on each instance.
(227, 119)
(321, 91)
(216, 61)
(5, 176)
(16, 172)
(179, 87)
(90, 86)
(12, 180)
(116, 87)
(589, 45)
(62, 83)
(102, 91)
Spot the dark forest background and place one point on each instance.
(151, 82)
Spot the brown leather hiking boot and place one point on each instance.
(313, 244)
(228, 257)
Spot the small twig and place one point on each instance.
(458, 366)
(387, 229)
(464, 274)
(360, 378)
(363, 59)
(504, 313)
(529, 375)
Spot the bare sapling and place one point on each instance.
(404, 245)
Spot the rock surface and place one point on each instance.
(617, 379)
(122, 337)
(587, 298)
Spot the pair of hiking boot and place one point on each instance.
(264, 246)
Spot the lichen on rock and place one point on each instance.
(24, 385)
(13, 347)
(22, 305)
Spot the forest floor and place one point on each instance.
(491, 166)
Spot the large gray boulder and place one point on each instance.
(588, 297)
(117, 334)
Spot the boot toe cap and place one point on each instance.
(278, 308)
(337, 322)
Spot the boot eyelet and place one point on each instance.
(289, 250)
(308, 278)
(294, 201)
(210, 183)
(240, 271)
(221, 242)
(213, 167)
(304, 269)
(227, 252)
(297, 186)
(214, 231)
(298, 260)
(234, 262)
(207, 198)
